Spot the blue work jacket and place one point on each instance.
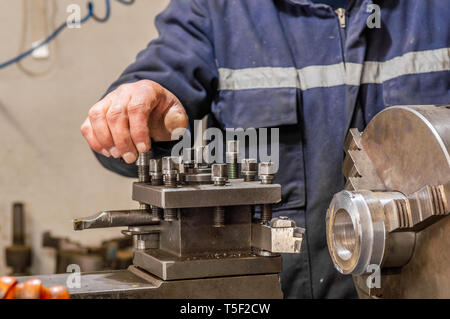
(296, 65)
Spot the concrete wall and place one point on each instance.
(44, 160)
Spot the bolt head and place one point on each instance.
(188, 155)
(155, 165)
(219, 171)
(143, 159)
(170, 163)
(267, 168)
(198, 156)
(249, 165)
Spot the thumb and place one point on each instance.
(176, 120)
(172, 124)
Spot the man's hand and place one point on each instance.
(122, 123)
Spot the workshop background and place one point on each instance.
(45, 163)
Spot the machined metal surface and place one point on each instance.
(233, 193)
(137, 284)
(394, 212)
(194, 234)
(278, 238)
(170, 267)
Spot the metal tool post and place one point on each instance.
(206, 238)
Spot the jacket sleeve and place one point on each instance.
(182, 60)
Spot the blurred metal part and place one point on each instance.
(394, 212)
(19, 255)
(110, 255)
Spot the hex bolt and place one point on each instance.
(266, 172)
(146, 241)
(170, 214)
(143, 167)
(181, 176)
(266, 213)
(249, 169)
(200, 160)
(156, 171)
(219, 216)
(189, 160)
(143, 163)
(232, 159)
(219, 174)
(170, 171)
(156, 213)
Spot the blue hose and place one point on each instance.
(55, 33)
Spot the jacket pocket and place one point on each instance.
(270, 108)
(256, 108)
(417, 89)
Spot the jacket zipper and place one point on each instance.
(341, 16)
(340, 12)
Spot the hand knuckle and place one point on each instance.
(114, 113)
(138, 107)
(135, 107)
(95, 113)
(145, 84)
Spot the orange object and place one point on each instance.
(58, 292)
(7, 287)
(30, 289)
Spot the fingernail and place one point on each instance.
(129, 157)
(114, 152)
(106, 153)
(141, 147)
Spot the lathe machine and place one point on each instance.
(196, 234)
